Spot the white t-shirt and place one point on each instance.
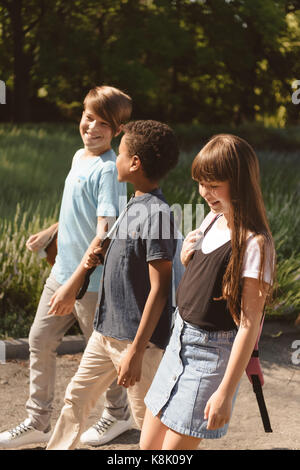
(216, 237)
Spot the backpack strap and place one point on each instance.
(108, 235)
(257, 388)
(216, 217)
(256, 378)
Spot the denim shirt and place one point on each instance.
(145, 233)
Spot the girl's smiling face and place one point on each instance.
(217, 195)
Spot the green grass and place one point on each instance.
(34, 161)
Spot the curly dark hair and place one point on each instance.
(155, 144)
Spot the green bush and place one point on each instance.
(22, 273)
(260, 137)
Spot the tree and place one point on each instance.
(211, 61)
(21, 25)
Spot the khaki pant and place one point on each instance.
(46, 334)
(98, 368)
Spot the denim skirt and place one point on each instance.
(190, 371)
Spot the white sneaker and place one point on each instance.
(21, 435)
(105, 430)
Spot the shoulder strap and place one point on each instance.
(211, 223)
(177, 267)
(109, 234)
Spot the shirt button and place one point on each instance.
(174, 377)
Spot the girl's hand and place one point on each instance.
(130, 369)
(62, 302)
(191, 243)
(218, 410)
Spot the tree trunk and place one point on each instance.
(21, 91)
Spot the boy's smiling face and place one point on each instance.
(96, 133)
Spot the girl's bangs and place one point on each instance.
(209, 165)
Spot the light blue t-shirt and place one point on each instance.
(91, 190)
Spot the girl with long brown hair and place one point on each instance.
(220, 301)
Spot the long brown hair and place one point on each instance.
(229, 158)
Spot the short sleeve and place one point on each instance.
(158, 235)
(77, 156)
(251, 262)
(109, 191)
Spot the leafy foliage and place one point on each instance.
(201, 61)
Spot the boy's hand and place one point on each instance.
(93, 259)
(39, 240)
(130, 369)
(62, 302)
(191, 243)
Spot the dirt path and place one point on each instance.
(281, 391)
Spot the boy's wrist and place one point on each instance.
(52, 228)
(138, 347)
(70, 287)
(73, 284)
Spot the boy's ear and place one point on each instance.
(135, 163)
(119, 130)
